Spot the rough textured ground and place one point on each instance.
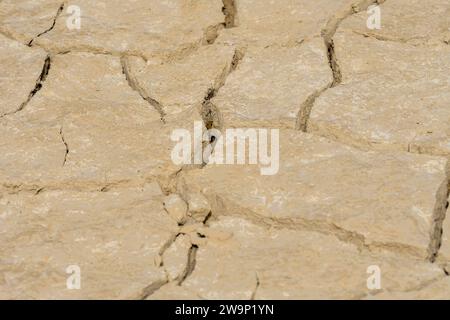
(86, 176)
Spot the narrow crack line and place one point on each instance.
(94, 50)
(134, 84)
(211, 115)
(58, 13)
(306, 108)
(39, 83)
(166, 246)
(258, 283)
(439, 215)
(152, 288)
(95, 186)
(77, 49)
(383, 38)
(418, 287)
(212, 33)
(190, 266)
(425, 284)
(61, 133)
(334, 65)
(155, 286)
(39, 191)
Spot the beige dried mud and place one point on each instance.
(270, 84)
(87, 126)
(290, 264)
(387, 99)
(146, 28)
(114, 237)
(87, 179)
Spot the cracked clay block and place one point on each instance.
(269, 85)
(114, 237)
(175, 258)
(328, 186)
(148, 28)
(111, 132)
(388, 99)
(290, 264)
(26, 19)
(184, 83)
(411, 21)
(87, 120)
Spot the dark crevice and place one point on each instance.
(190, 266)
(439, 215)
(211, 33)
(39, 83)
(230, 12)
(258, 283)
(223, 206)
(65, 144)
(134, 84)
(334, 65)
(58, 13)
(330, 30)
(306, 108)
(210, 113)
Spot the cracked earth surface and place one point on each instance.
(86, 176)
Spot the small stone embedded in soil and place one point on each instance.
(175, 258)
(176, 207)
(199, 207)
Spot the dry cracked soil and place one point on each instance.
(92, 206)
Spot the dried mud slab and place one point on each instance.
(86, 175)
(87, 127)
(25, 20)
(371, 198)
(407, 21)
(269, 85)
(288, 264)
(147, 28)
(443, 242)
(393, 96)
(184, 83)
(114, 237)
